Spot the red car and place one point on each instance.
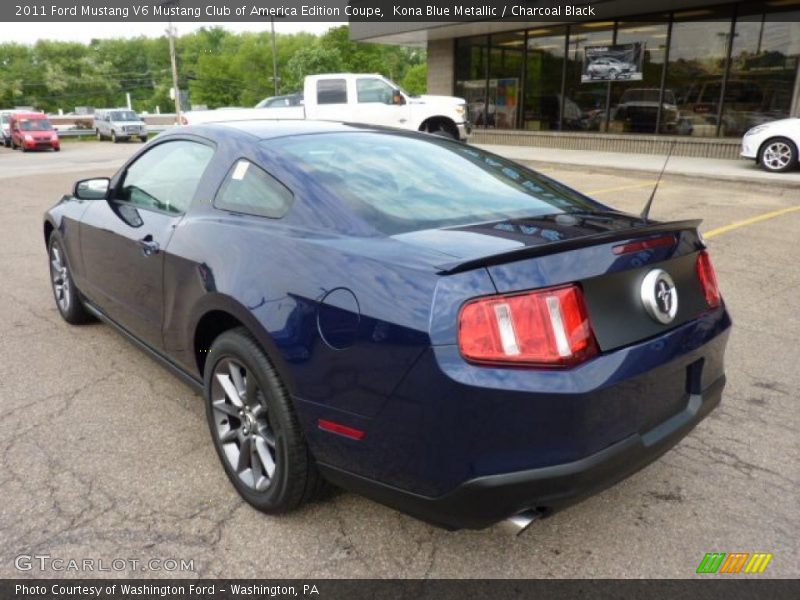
(33, 131)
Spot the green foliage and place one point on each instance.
(218, 67)
(416, 79)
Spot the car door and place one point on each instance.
(123, 239)
(376, 103)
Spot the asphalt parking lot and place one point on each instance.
(106, 455)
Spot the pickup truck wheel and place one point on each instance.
(778, 155)
(255, 430)
(443, 131)
(114, 139)
(143, 139)
(99, 136)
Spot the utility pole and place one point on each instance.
(175, 87)
(171, 34)
(274, 56)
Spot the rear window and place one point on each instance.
(331, 91)
(400, 183)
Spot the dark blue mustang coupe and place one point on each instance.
(403, 315)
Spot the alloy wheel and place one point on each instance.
(242, 424)
(777, 156)
(59, 275)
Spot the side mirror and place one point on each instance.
(397, 98)
(92, 189)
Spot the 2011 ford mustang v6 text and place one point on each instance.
(402, 315)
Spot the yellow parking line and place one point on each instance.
(750, 221)
(619, 188)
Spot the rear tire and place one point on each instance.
(778, 155)
(254, 428)
(143, 139)
(114, 139)
(68, 298)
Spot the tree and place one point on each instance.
(311, 60)
(416, 80)
(218, 67)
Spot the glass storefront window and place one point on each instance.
(542, 107)
(591, 96)
(505, 79)
(607, 76)
(472, 56)
(635, 104)
(764, 62)
(697, 57)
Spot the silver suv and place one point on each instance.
(118, 124)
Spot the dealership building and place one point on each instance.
(647, 74)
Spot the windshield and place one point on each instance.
(35, 125)
(399, 183)
(124, 115)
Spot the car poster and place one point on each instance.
(613, 63)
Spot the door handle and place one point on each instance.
(148, 245)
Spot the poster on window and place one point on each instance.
(622, 62)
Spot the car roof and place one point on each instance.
(264, 129)
(29, 115)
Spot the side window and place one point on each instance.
(166, 177)
(331, 91)
(251, 190)
(374, 90)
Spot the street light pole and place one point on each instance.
(274, 56)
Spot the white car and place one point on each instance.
(773, 145)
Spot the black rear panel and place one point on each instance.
(615, 306)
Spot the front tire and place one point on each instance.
(256, 433)
(68, 299)
(99, 136)
(114, 139)
(778, 155)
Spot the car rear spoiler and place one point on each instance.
(565, 245)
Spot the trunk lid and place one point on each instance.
(587, 249)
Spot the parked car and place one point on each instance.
(403, 315)
(773, 145)
(638, 110)
(33, 131)
(281, 101)
(368, 99)
(543, 112)
(119, 125)
(609, 68)
(5, 127)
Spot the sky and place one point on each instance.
(29, 33)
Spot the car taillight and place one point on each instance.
(708, 279)
(547, 328)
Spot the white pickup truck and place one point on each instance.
(369, 99)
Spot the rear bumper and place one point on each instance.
(482, 501)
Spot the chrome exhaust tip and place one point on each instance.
(520, 522)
